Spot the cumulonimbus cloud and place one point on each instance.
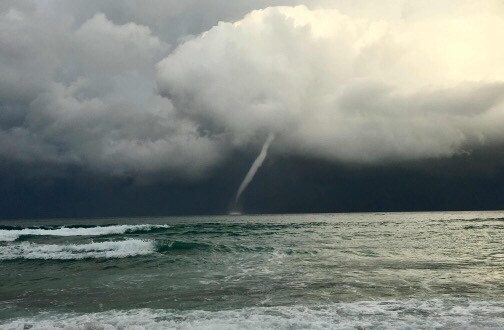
(86, 96)
(353, 83)
(346, 88)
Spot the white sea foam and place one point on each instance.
(9, 235)
(109, 249)
(412, 314)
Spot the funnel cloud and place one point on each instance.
(255, 166)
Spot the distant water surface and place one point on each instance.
(383, 270)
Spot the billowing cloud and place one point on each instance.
(346, 88)
(86, 96)
(133, 87)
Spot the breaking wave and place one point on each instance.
(12, 234)
(121, 249)
(109, 249)
(411, 314)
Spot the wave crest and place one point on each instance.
(109, 249)
(10, 235)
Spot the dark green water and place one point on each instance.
(393, 270)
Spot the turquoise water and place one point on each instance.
(390, 270)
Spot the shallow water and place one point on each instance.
(419, 270)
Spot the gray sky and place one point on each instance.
(173, 90)
(168, 86)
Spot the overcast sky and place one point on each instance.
(159, 107)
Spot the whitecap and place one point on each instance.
(9, 235)
(109, 249)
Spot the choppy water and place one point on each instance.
(392, 270)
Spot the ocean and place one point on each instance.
(310, 271)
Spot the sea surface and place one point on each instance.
(311, 271)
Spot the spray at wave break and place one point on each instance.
(255, 166)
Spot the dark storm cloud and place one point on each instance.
(79, 83)
(85, 95)
(284, 185)
(178, 96)
(78, 86)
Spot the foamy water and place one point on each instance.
(9, 235)
(361, 315)
(111, 249)
(314, 271)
